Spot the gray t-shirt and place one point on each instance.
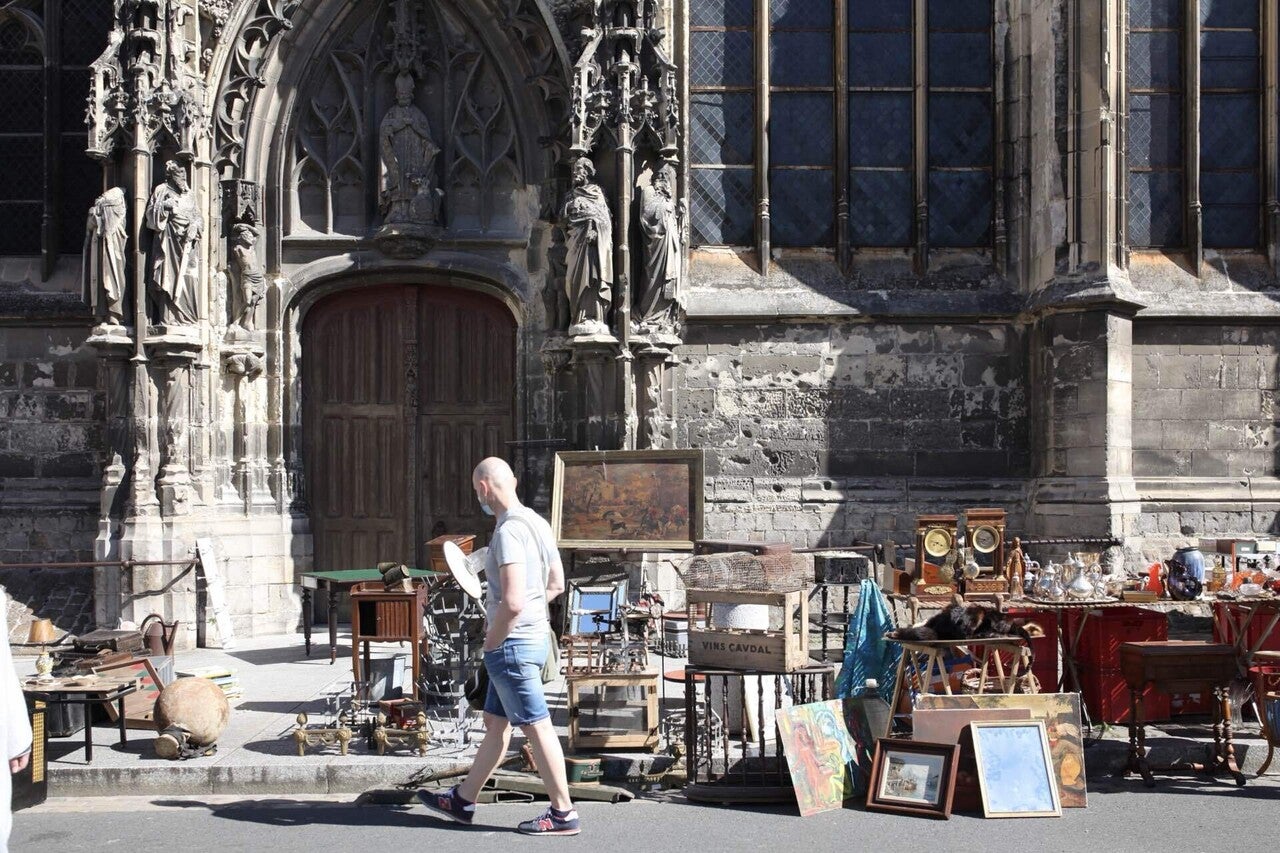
(514, 545)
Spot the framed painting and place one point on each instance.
(139, 706)
(628, 500)
(913, 777)
(1060, 713)
(821, 755)
(1015, 770)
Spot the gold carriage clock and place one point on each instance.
(936, 557)
(984, 528)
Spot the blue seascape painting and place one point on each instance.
(1013, 768)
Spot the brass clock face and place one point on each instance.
(937, 542)
(985, 539)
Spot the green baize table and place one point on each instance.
(335, 582)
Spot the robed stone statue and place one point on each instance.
(409, 191)
(588, 227)
(662, 223)
(105, 241)
(173, 216)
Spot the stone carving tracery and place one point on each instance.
(446, 143)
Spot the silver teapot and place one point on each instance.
(1048, 586)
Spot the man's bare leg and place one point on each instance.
(550, 757)
(493, 748)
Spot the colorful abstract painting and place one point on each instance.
(820, 754)
(1061, 715)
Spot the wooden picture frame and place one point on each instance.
(139, 706)
(1015, 769)
(913, 777)
(635, 500)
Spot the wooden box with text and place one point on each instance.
(785, 650)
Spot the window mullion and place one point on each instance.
(920, 28)
(1000, 238)
(840, 171)
(762, 133)
(49, 224)
(1191, 163)
(1270, 116)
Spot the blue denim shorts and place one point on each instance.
(515, 681)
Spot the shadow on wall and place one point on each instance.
(922, 418)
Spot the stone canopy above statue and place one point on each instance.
(407, 128)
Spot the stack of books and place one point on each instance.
(223, 676)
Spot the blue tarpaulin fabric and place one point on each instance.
(867, 654)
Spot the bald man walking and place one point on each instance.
(524, 574)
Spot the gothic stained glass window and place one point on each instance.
(801, 126)
(1230, 123)
(22, 133)
(881, 123)
(961, 125)
(1155, 144)
(884, 102)
(85, 26)
(722, 79)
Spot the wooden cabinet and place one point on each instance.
(379, 616)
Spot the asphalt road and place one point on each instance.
(1179, 815)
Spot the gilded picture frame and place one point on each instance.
(635, 500)
(1015, 769)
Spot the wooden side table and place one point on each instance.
(1174, 666)
(379, 616)
(103, 689)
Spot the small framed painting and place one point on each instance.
(627, 500)
(1015, 769)
(913, 777)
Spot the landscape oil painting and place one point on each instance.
(628, 498)
(1060, 713)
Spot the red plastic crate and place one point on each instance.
(1255, 631)
(1045, 649)
(1106, 695)
(1103, 689)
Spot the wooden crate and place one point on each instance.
(643, 737)
(756, 651)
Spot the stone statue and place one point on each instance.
(662, 222)
(589, 242)
(105, 241)
(174, 216)
(409, 192)
(249, 277)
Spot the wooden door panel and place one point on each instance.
(355, 432)
(467, 409)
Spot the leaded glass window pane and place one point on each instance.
(721, 59)
(722, 206)
(800, 207)
(722, 126)
(1155, 133)
(1230, 125)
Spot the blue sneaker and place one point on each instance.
(449, 805)
(550, 823)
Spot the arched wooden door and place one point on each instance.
(405, 388)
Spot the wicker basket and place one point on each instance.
(748, 572)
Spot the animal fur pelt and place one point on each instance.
(970, 622)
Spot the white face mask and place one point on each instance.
(484, 507)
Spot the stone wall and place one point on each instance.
(1204, 400)
(826, 434)
(51, 436)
